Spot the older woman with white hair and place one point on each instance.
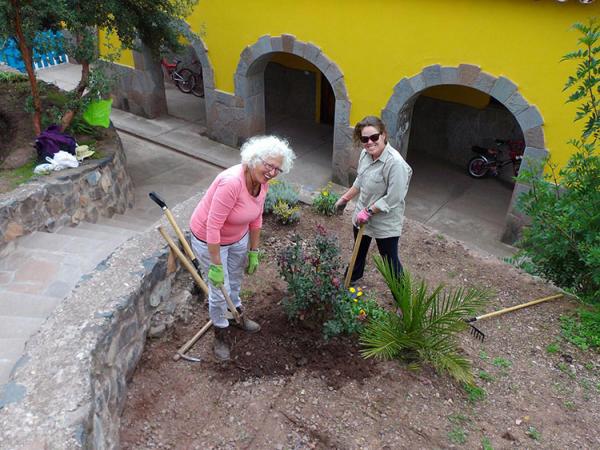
(226, 228)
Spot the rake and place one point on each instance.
(480, 335)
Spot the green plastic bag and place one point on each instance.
(98, 113)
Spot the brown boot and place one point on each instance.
(221, 344)
(247, 324)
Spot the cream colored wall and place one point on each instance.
(377, 43)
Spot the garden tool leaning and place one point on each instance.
(359, 235)
(190, 262)
(478, 334)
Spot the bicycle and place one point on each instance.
(183, 77)
(487, 158)
(198, 89)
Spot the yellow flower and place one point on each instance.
(355, 300)
(362, 311)
(352, 290)
(325, 193)
(359, 293)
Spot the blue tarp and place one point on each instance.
(48, 50)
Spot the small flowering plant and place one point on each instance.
(324, 202)
(352, 313)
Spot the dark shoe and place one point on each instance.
(247, 324)
(221, 344)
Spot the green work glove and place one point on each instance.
(252, 262)
(216, 274)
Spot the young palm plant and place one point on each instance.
(425, 328)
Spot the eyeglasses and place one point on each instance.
(373, 138)
(270, 167)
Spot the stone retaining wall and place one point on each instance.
(96, 188)
(69, 388)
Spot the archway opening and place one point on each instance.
(447, 121)
(300, 106)
(184, 86)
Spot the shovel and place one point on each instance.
(359, 235)
(478, 334)
(194, 268)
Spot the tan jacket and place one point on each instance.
(382, 183)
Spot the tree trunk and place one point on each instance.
(26, 54)
(79, 90)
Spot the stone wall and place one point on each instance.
(98, 187)
(69, 388)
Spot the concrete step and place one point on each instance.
(124, 233)
(106, 237)
(27, 305)
(12, 327)
(62, 243)
(126, 222)
(10, 351)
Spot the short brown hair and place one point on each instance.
(369, 121)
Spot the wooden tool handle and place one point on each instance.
(185, 347)
(359, 235)
(513, 308)
(186, 263)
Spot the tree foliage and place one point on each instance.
(563, 239)
(152, 22)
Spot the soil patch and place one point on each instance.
(287, 388)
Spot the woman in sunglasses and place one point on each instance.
(381, 185)
(226, 228)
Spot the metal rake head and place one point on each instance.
(476, 332)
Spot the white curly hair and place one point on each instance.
(259, 148)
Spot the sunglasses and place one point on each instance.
(372, 138)
(270, 167)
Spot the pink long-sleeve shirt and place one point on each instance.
(227, 211)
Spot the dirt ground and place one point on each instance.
(287, 389)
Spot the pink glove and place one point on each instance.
(363, 217)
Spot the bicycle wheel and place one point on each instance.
(185, 81)
(198, 89)
(477, 167)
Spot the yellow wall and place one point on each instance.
(108, 44)
(377, 43)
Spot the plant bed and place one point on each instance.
(287, 388)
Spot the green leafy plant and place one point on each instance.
(553, 348)
(352, 313)
(533, 433)
(324, 201)
(583, 328)
(563, 240)
(485, 376)
(425, 329)
(280, 191)
(286, 214)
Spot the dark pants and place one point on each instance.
(388, 249)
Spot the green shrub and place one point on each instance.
(312, 272)
(286, 214)
(12, 77)
(563, 239)
(427, 326)
(280, 191)
(316, 296)
(324, 202)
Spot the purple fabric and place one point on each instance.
(52, 141)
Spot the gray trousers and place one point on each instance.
(233, 258)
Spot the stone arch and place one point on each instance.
(397, 116)
(250, 89)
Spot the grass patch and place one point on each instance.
(485, 376)
(502, 363)
(475, 393)
(486, 444)
(21, 174)
(583, 328)
(553, 348)
(458, 419)
(457, 435)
